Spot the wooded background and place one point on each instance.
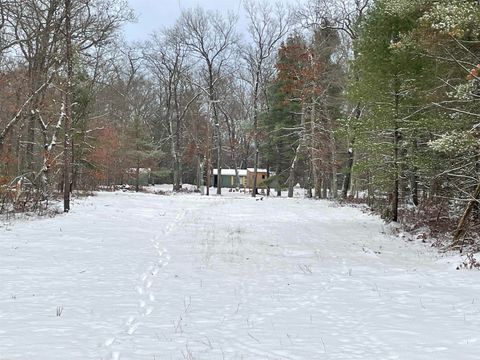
(369, 101)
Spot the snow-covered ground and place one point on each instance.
(141, 276)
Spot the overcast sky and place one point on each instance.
(155, 14)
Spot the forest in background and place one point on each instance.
(369, 101)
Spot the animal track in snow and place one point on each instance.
(144, 290)
(132, 328)
(110, 341)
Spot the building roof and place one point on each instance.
(141, 170)
(259, 171)
(241, 172)
(231, 172)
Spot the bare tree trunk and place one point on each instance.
(199, 181)
(414, 177)
(255, 172)
(396, 167)
(318, 187)
(174, 153)
(178, 159)
(414, 187)
(176, 164)
(396, 180)
(334, 186)
(29, 153)
(476, 207)
(219, 160)
(68, 108)
(347, 180)
(313, 152)
(310, 181)
(291, 174)
(268, 175)
(462, 226)
(137, 176)
(217, 133)
(176, 175)
(279, 185)
(255, 129)
(47, 154)
(207, 159)
(325, 188)
(301, 144)
(237, 175)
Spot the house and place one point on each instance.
(229, 178)
(246, 177)
(262, 175)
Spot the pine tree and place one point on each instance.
(284, 121)
(391, 84)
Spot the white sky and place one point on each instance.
(155, 14)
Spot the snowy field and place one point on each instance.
(142, 276)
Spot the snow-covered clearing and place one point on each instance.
(141, 276)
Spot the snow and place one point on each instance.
(258, 170)
(231, 172)
(143, 276)
(241, 172)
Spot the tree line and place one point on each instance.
(362, 100)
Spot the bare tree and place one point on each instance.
(37, 30)
(212, 39)
(345, 17)
(67, 165)
(166, 56)
(88, 24)
(8, 24)
(235, 109)
(268, 24)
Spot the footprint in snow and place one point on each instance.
(147, 298)
(132, 328)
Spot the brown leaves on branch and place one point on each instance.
(299, 69)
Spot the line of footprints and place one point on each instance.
(147, 298)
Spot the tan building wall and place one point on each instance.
(261, 177)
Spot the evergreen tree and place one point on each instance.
(391, 84)
(283, 122)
